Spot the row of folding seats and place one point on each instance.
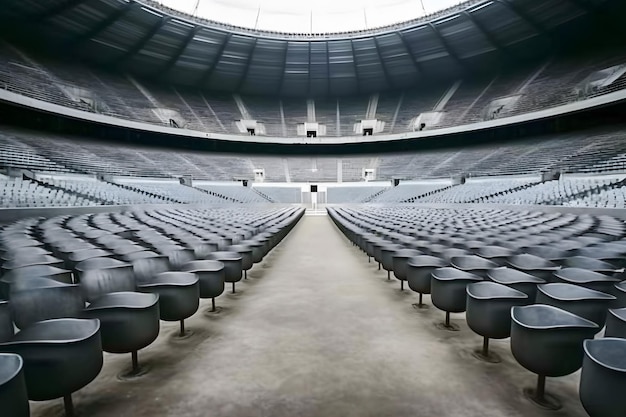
(473, 191)
(78, 286)
(175, 191)
(235, 193)
(105, 192)
(551, 192)
(549, 282)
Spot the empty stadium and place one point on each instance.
(381, 208)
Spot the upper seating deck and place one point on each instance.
(537, 86)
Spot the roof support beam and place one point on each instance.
(416, 64)
(207, 74)
(481, 28)
(390, 83)
(281, 80)
(447, 47)
(142, 42)
(524, 16)
(356, 68)
(100, 27)
(308, 88)
(247, 66)
(174, 59)
(328, 69)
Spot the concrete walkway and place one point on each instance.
(316, 331)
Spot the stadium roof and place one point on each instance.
(151, 40)
(319, 16)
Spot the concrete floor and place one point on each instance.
(316, 331)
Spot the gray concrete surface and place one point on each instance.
(316, 331)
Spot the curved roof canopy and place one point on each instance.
(319, 16)
(151, 40)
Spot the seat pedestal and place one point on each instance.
(136, 371)
(484, 354)
(446, 325)
(69, 406)
(539, 397)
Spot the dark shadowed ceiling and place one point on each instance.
(151, 41)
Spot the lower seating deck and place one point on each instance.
(316, 330)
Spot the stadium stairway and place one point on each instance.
(265, 196)
(96, 200)
(144, 192)
(416, 198)
(587, 193)
(218, 195)
(485, 199)
(373, 196)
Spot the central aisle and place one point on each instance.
(316, 331)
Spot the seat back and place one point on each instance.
(145, 269)
(37, 299)
(6, 322)
(178, 258)
(97, 282)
